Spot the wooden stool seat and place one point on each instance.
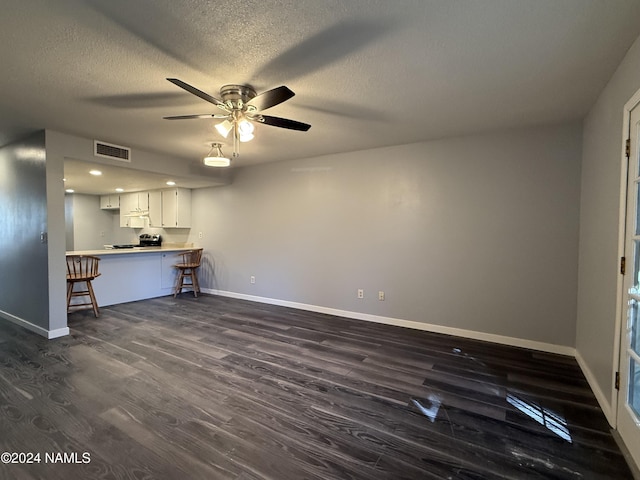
(82, 269)
(188, 269)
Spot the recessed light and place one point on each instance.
(69, 190)
(119, 189)
(171, 183)
(64, 179)
(95, 172)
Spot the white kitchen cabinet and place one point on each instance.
(168, 271)
(140, 202)
(134, 207)
(125, 209)
(155, 208)
(176, 208)
(169, 208)
(110, 202)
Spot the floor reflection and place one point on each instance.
(466, 356)
(431, 412)
(554, 422)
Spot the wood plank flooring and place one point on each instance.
(218, 388)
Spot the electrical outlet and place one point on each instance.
(252, 279)
(380, 295)
(200, 235)
(360, 293)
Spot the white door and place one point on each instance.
(628, 422)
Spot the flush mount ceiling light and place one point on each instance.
(215, 157)
(242, 108)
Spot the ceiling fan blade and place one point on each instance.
(271, 98)
(206, 115)
(283, 123)
(198, 93)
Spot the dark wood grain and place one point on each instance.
(218, 388)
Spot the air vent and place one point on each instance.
(108, 150)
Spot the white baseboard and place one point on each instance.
(59, 332)
(606, 407)
(50, 334)
(458, 332)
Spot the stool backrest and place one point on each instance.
(192, 257)
(82, 266)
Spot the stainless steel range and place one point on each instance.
(146, 240)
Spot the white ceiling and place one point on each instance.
(366, 73)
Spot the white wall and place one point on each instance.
(477, 233)
(92, 226)
(599, 220)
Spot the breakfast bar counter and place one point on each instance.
(120, 251)
(138, 273)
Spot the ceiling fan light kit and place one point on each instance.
(242, 107)
(215, 157)
(224, 128)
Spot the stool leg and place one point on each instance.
(179, 281)
(194, 281)
(69, 290)
(94, 302)
(188, 272)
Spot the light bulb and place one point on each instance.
(224, 128)
(245, 127)
(245, 137)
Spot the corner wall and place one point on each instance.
(24, 291)
(56, 238)
(474, 234)
(596, 337)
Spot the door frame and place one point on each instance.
(621, 309)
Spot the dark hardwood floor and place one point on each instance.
(217, 388)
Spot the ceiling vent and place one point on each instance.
(108, 150)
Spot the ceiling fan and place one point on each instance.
(242, 106)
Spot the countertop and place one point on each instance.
(129, 251)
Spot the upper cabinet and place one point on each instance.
(110, 202)
(134, 207)
(155, 208)
(140, 202)
(169, 208)
(176, 208)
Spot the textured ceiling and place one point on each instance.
(366, 73)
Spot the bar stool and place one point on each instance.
(82, 269)
(188, 269)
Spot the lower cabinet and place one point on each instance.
(130, 276)
(168, 272)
